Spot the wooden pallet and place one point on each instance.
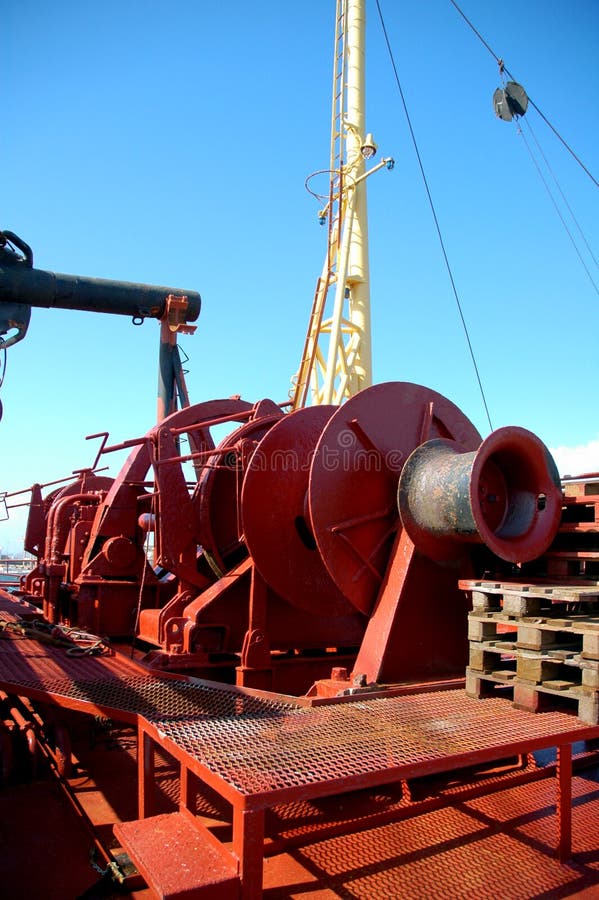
(530, 599)
(538, 658)
(535, 666)
(537, 640)
(552, 694)
(574, 553)
(571, 563)
(543, 633)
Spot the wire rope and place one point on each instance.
(556, 207)
(563, 196)
(434, 214)
(503, 68)
(505, 71)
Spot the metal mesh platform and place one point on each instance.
(121, 689)
(224, 730)
(162, 700)
(304, 746)
(113, 682)
(259, 751)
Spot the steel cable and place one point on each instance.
(557, 209)
(504, 68)
(434, 214)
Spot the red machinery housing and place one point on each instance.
(325, 543)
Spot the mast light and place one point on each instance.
(368, 148)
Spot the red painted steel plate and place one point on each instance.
(273, 508)
(496, 845)
(178, 859)
(355, 472)
(118, 504)
(219, 486)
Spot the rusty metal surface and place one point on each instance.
(447, 854)
(341, 743)
(354, 475)
(176, 858)
(167, 700)
(120, 687)
(259, 752)
(506, 495)
(226, 729)
(27, 664)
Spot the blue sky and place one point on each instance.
(170, 145)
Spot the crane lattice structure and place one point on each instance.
(337, 357)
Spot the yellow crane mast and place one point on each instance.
(337, 356)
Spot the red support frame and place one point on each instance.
(249, 809)
(564, 801)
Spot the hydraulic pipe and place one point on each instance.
(22, 286)
(57, 530)
(36, 287)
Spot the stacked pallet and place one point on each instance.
(575, 550)
(540, 642)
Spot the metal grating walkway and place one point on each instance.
(259, 751)
(224, 730)
(303, 746)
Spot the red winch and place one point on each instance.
(323, 542)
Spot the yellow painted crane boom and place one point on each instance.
(337, 356)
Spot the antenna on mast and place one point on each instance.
(337, 357)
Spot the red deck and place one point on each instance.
(262, 753)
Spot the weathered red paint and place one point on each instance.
(308, 499)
